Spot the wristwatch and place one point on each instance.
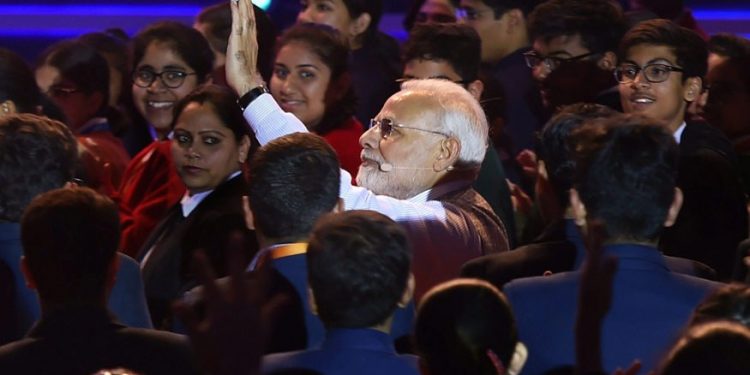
(251, 95)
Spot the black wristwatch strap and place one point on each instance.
(251, 95)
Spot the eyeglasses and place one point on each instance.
(56, 91)
(533, 59)
(470, 14)
(386, 128)
(653, 73)
(170, 78)
(407, 79)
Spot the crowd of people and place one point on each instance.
(520, 187)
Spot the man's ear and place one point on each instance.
(311, 300)
(674, 208)
(249, 218)
(112, 269)
(359, 25)
(449, 150)
(244, 149)
(515, 20)
(608, 61)
(475, 89)
(693, 88)
(30, 282)
(408, 291)
(339, 207)
(579, 210)
(8, 107)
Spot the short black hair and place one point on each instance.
(17, 82)
(372, 7)
(600, 24)
(626, 171)
(293, 180)
(689, 48)
(223, 101)
(719, 347)
(37, 154)
(184, 41)
(69, 238)
(458, 321)
(82, 65)
(459, 45)
(358, 267)
(730, 302)
(554, 147)
(729, 45)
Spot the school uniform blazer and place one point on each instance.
(650, 306)
(167, 273)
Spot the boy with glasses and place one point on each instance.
(661, 71)
(574, 44)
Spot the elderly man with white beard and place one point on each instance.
(419, 159)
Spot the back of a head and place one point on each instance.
(372, 7)
(600, 24)
(108, 44)
(711, 348)
(293, 180)
(184, 41)
(626, 170)
(689, 48)
(456, 113)
(458, 322)
(501, 6)
(358, 266)
(457, 44)
(554, 147)
(730, 302)
(729, 45)
(217, 19)
(80, 64)
(17, 82)
(36, 155)
(70, 237)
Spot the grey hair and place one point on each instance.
(459, 115)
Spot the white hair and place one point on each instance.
(458, 114)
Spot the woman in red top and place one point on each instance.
(311, 80)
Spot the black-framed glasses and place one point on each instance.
(170, 78)
(386, 128)
(533, 59)
(654, 73)
(60, 91)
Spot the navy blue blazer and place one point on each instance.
(127, 300)
(347, 351)
(650, 306)
(294, 268)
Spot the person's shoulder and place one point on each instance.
(699, 135)
(529, 288)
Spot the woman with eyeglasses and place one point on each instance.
(75, 77)
(210, 144)
(170, 61)
(311, 80)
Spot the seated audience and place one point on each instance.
(311, 80)
(76, 78)
(358, 268)
(710, 348)
(626, 179)
(293, 180)
(660, 73)
(430, 11)
(466, 326)
(573, 39)
(374, 62)
(170, 60)
(73, 269)
(419, 159)
(210, 145)
(452, 52)
(559, 247)
(38, 155)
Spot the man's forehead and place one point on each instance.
(560, 45)
(430, 68)
(407, 105)
(650, 53)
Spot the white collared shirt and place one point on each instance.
(678, 133)
(190, 202)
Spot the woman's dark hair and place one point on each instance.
(111, 46)
(331, 47)
(224, 103)
(17, 82)
(186, 42)
(372, 7)
(80, 64)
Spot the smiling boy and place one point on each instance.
(661, 71)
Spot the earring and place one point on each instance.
(6, 109)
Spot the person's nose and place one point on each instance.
(370, 138)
